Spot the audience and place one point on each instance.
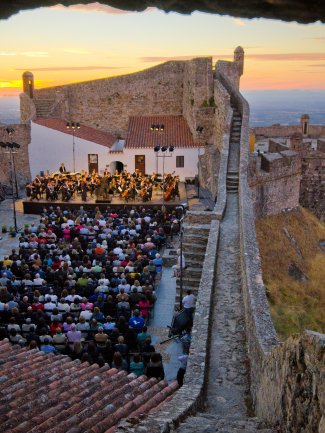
(83, 283)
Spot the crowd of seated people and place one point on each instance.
(83, 284)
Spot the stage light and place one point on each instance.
(10, 131)
(157, 127)
(171, 148)
(156, 148)
(164, 148)
(152, 127)
(162, 127)
(16, 145)
(68, 125)
(2, 144)
(78, 125)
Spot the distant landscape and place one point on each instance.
(267, 107)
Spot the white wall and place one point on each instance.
(48, 148)
(190, 161)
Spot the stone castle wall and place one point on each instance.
(312, 189)
(287, 380)
(274, 180)
(277, 130)
(22, 137)
(107, 104)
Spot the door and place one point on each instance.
(92, 163)
(140, 163)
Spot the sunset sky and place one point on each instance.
(63, 45)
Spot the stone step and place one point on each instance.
(232, 188)
(194, 263)
(195, 256)
(195, 238)
(232, 181)
(192, 271)
(196, 227)
(232, 177)
(193, 247)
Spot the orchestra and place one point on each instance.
(67, 186)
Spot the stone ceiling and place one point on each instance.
(303, 11)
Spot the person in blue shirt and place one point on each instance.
(136, 322)
(46, 347)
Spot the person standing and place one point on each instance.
(62, 168)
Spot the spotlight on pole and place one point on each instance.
(164, 148)
(156, 148)
(171, 148)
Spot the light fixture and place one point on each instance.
(162, 128)
(164, 148)
(10, 131)
(152, 127)
(78, 125)
(171, 148)
(156, 148)
(68, 125)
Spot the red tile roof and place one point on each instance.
(176, 132)
(52, 394)
(85, 132)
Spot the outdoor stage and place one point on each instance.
(37, 206)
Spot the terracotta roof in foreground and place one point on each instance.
(52, 394)
(85, 132)
(176, 132)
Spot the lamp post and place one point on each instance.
(166, 152)
(10, 147)
(199, 130)
(157, 128)
(180, 213)
(73, 126)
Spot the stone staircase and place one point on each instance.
(232, 180)
(195, 239)
(44, 107)
(227, 406)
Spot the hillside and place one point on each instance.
(292, 248)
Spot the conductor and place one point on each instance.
(62, 168)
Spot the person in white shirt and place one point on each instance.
(188, 303)
(38, 281)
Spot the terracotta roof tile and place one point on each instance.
(42, 393)
(176, 132)
(85, 132)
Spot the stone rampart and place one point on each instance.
(274, 179)
(22, 137)
(287, 380)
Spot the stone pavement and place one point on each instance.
(7, 243)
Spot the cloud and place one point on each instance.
(70, 68)
(260, 57)
(156, 59)
(287, 56)
(34, 53)
(318, 38)
(321, 65)
(4, 53)
(75, 51)
(239, 22)
(25, 53)
(95, 7)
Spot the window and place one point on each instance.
(179, 161)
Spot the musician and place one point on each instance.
(62, 168)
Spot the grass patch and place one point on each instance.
(293, 238)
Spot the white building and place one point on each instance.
(52, 143)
